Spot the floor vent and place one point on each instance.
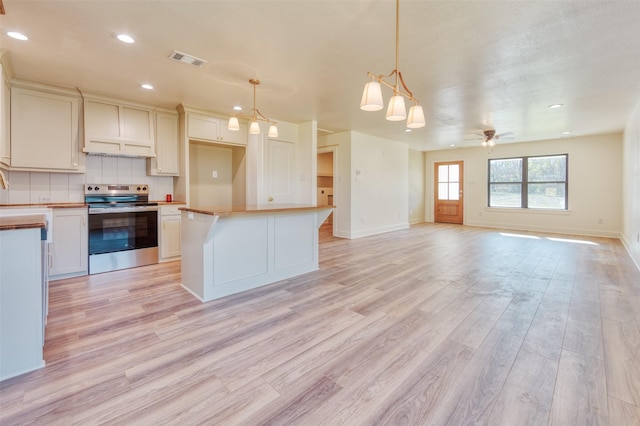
(186, 59)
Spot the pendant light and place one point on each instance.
(372, 94)
(254, 127)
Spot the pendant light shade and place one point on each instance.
(396, 110)
(372, 97)
(416, 117)
(234, 124)
(256, 116)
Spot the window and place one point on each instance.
(529, 182)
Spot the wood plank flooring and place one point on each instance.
(433, 325)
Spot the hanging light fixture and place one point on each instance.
(372, 95)
(256, 116)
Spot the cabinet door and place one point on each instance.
(166, 144)
(226, 135)
(5, 119)
(44, 130)
(170, 237)
(70, 245)
(203, 127)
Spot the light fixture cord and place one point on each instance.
(254, 102)
(397, 45)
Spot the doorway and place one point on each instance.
(449, 200)
(326, 180)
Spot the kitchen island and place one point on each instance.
(229, 250)
(22, 293)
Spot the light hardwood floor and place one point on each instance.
(434, 325)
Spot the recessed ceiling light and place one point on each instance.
(452, 145)
(17, 36)
(556, 106)
(407, 130)
(147, 86)
(237, 108)
(566, 133)
(125, 38)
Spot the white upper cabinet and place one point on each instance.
(118, 127)
(207, 128)
(44, 129)
(167, 161)
(5, 119)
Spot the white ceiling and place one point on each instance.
(473, 65)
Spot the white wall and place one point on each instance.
(631, 185)
(44, 187)
(417, 186)
(371, 184)
(306, 149)
(595, 193)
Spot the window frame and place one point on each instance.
(524, 183)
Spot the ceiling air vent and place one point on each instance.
(186, 59)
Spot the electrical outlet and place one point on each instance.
(45, 199)
(600, 221)
(214, 174)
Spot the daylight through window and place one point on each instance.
(529, 182)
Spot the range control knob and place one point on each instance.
(138, 188)
(89, 189)
(144, 188)
(97, 188)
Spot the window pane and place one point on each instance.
(454, 193)
(505, 195)
(547, 196)
(547, 169)
(442, 191)
(454, 173)
(443, 171)
(507, 170)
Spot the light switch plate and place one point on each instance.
(214, 174)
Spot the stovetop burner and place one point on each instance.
(112, 195)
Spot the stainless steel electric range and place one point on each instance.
(123, 227)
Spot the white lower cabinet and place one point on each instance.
(169, 232)
(69, 252)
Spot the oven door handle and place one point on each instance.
(108, 210)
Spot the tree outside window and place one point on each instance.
(529, 182)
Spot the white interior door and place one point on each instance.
(280, 172)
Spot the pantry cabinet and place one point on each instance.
(44, 129)
(166, 162)
(118, 127)
(68, 254)
(169, 232)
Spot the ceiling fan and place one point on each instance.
(489, 137)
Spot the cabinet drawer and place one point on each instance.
(171, 209)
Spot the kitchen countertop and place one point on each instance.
(23, 222)
(168, 203)
(265, 208)
(46, 205)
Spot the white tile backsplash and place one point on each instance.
(59, 187)
(110, 170)
(34, 187)
(19, 192)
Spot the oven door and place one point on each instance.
(122, 229)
